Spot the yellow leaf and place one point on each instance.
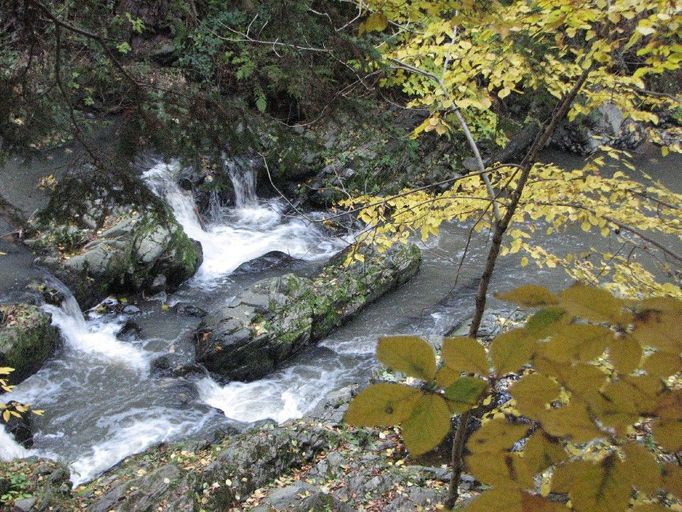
(640, 469)
(572, 421)
(542, 451)
(383, 404)
(465, 355)
(672, 479)
(577, 342)
(503, 468)
(511, 350)
(669, 435)
(509, 499)
(410, 355)
(446, 376)
(375, 22)
(593, 487)
(663, 364)
(658, 322)
(592, 304)
(428, 424)
(532, 392)
(544, 322)
(625, 353)
(529, 295)
(496, 436)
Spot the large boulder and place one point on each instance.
(27, 339)
(103, 238)
(276, 317)
(605, 126)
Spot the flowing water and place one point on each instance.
(102, 402)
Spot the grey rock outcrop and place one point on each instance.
(100, 240)
(276, 317)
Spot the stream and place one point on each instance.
(103, 402)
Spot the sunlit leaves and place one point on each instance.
(593, 487)
(382, 404)
(465, 355)
(428, 424)
(572, 421)
(669, 435)
(592, 303)
(511, 350)
(533, 393)
(512, 500)
(625, 354)
(410, 355)
(577, 342)
(529, 295)
(496, 436)
(588, 379)
(375, 22)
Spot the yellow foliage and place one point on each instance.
(586, 386)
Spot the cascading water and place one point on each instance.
(100, 404)
(96, 339)
(236, 235)
(10, 449)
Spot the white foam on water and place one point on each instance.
(285, 395)
(10, 449)
(95, 338)
(237, 235)
(128, 440)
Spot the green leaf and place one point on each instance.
(529, 295)
(383, 404)
(465, 392)
(511, 350)
(261, 104)
(428, 424)
(465, 355)
(410, 355)
(543, 323)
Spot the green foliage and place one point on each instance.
(593, 370)
(19, 485)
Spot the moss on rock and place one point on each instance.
(27, 339)
(277, 317)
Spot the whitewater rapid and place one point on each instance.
(233, 236)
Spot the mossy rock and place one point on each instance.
(27, 339)
(277, 317)
(110, 241)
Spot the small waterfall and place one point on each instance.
(236, 235)
(243, 177)
(9, 448)
(95, 338)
